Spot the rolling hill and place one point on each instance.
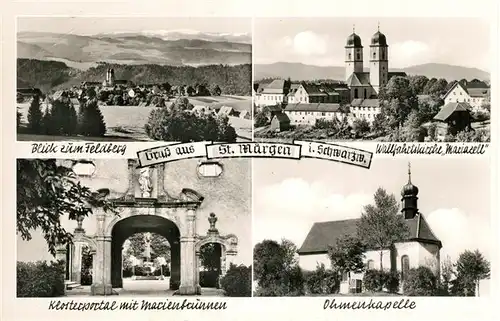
(135, 48)
(299, 71)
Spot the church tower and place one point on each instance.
(379, 61)
(409, 198)
(353, 55)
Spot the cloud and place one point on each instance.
(410, 52)
(308, 43)
(459, 232)
(288, 209)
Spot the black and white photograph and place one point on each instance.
(419, 227)
(398, 79)
(134, 79)
(106, 227)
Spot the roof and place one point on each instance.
(282, 118)
(472, 88)
(448, 109)
(226, 110)
(391, 74)
(325, 234)
(319, 107)
(354, 41)
(275, 87)
(378, 39)
(365, 102)
(314, 90)
(359, 79)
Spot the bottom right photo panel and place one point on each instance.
(404, 227)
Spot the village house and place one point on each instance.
(420, 248)
(280, 122)
(307, 114)
(273, 93)
(365, 109)
(475, 93)
(453, 117)
(317, 93)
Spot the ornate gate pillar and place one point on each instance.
(102, 283)
(188, 255)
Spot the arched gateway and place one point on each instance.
(146, 207)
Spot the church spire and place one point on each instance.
(409, 173)
(409, 197)
(353, 28)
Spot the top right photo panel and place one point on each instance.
(372, 79)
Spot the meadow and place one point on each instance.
(126, 123)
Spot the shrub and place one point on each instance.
(260, 120)
(432, 132)
(209, 279)
(361, 126)
(40, 279)
(90, 120)
(420, 282)
(183, 126)
(374, 280)
(392, 281)
(481, 116)
(322, 281)
(237, 282)
(35, 116)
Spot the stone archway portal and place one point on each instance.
(145, 223)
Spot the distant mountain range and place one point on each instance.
(175, 48)
(299, 71)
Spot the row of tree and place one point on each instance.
(60, 118)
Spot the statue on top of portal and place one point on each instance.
(145, 182)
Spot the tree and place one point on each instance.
(276, 269)
(90, 120)
(418, 83)
(397, 100)
(61, 118)
(360, 126)
(412, 130)
(48, 191)
(210, 257)
(347, 255)
(447, 273)
(471, 268)
(35, 115)
(438, 88)
(429, 85)
(260, 119)
(159, 247)
(380, 225)
(216, 91)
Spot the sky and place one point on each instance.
(97, 25)
(289, 196)
(412, 41)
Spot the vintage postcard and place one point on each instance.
(239, 160)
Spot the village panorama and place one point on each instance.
(133, 86)
(374, 103)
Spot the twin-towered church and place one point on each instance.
(365, 85)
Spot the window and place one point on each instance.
(356, 93)
(374, 55)
(370, 265)
(383, 54)
(210, 169)
(405, 266)
(350, 56)
(358, 56)
(84, 168)
(366, 93)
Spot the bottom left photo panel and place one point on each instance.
(99, 227)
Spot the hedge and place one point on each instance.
(40, 279)
(237, 282)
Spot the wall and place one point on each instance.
(310, 117)
(310, 262)
(367, 113)
(228, 196)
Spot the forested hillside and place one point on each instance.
(233, 80)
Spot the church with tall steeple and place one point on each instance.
(421, 247)
(366, 84)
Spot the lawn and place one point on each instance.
(126, 123)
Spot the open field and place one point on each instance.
(126, 123)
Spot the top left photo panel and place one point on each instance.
(134, 79)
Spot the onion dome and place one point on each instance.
(379, 39)
(409, 189)
(353, 41)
